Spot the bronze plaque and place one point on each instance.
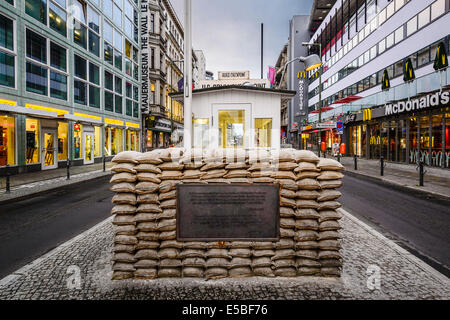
(227, 212)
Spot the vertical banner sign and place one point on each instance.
(144, 55)
(301, 88)
(272, 75)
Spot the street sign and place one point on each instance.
(339, 119)
(326, 125)
(339, 125)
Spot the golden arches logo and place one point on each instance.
(367, 115)
(301, 74)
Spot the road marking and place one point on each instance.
(391, 244)
(26, 268)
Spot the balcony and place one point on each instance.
(157, 110)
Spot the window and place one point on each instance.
(58, 57)
(231, 128)
(399, 35)
(424, 17)
(108, 32)
(381, 46)
(263, 133)
(390, 41)
(398, 68)
(43, 73)
(390, 9)
(399, 4)
(80, 67)
(109, 81)
(79, 33)
(80, 87)
(57, 16)
(423, 57)
(117, 16)
(373, 52)
(108, 8)
(411, 26)
(108, 53)
(382, 17)
(94, 32)
(7, 54)
(32, 140)
(63, 128)
(94, 85)
(437, 9)
(7, 141)
(37, 9)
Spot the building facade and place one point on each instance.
(162, 71)
(200, 73)
(297, 110)
(69, 82)
(385, 73)
(281, 83)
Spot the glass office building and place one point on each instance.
(69, 81)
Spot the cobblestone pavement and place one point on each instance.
(402, 276)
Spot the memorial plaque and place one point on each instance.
(226, 212)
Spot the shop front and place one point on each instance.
(404, 131)
(158, 133)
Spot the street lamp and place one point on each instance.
(311, 62)
(307, 44)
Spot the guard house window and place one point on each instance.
(231, 128)
(7, 52)
(263, 133)
(94, 32)
(7, 140)
(200, 133)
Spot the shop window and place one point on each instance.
(401, 134)
(423, 57)
(62, 140)
(32, 141)
(413, 143)
(7, 141)
(113, 141)
(437, 140)
(78, 141)
(231, 128)
(437, 9)
(37, 9)
(107, 141)
(57, 18)
(424, 17)
(425, 136)
(150, 139)
(97, 141)
(263, 133)
(119, 140)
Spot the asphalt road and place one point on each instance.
(416, 222)
(30, 228)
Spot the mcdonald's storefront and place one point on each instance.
(405, 131)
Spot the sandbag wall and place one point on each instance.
(145, 245)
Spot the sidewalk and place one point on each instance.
(366, 254)
(436, 180)
(31, 183)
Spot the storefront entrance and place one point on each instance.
(88, 147)
(49, 149)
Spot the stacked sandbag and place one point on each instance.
(123, 183)
(145, 201)
(330, 178)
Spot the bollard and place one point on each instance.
(325, 154)
(356, 161)
(104, 163)
(68, 169)
(8, 185)
(421, 173)
(339, 157)
(381, 166)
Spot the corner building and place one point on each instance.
(385, 74)
(69, 82)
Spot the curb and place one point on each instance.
(397, 185)
(34, 194)
(16, 274)
(391, 244)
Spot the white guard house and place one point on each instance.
(236, 116)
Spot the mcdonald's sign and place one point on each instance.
(375, 140)
(367, 114)
(441, 60)
(408, 71)
(385, 83)
(301, 75)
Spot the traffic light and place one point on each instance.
(408, 71)
(441, 60)
(385, 83)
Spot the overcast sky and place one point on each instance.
(228, 31)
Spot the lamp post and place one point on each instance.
(320, 90)
(311, 62)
